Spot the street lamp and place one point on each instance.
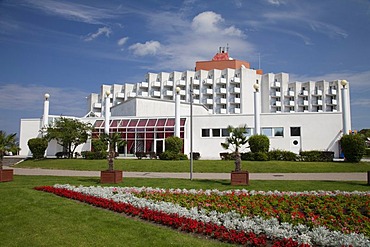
(45, 118)
(107, 112)
(257, 109)
(177, 112)
(191, 127)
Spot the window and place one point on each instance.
(279, 131)
(295, 131)
(205, 133)
(248, 131)
(225, 133)
(270, 132)
(216, 132)
(267, 131)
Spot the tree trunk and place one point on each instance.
(237, 162)
(111, 161)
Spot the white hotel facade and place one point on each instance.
(294, 115)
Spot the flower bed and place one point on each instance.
(224, 215)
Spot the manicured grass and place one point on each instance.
(33, 218)
(217, 166)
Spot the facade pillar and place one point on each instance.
(346, 119)
(177, 112)
(107, 112)
(45, 117)
(257, 110)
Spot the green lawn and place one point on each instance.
(34, 218)
(217, 166)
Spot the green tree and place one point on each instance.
(173, 145)
(7, 143)
(37, 147)
(259, 143)
(235, 141)
(113, 141)
(353, 147)
(69, 133)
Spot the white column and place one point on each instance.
(257, 110)
(45, 118)
(177, 112)
(107, 112)
(346, 119)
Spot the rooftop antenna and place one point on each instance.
(259, 60)
(227, 47)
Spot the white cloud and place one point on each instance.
(73, 11)
(122, 41)
(276, 2)
(148, 48)
(101, 31)
(207, 22)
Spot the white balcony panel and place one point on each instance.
(305, 102)
(236, 90)
(222, 101)
(196, 101)
(156, 93)
(222, 80)
(276, 84)
(333, 91)
(196, 91)
(97, 105)
(209, 91)
(209, 101)
(168, 83)
(132, 94)
(235, 79)
(290, 93)
(237, 110)
(196, 82)
(168, 93)
(319, 102)
(208, 82)
(144, 84)
(182, 92)
(277, 94)
(144, 94)
(181, 82)
(223, 111)
(120, 95)
(318, 92)
(277, 103)
(222, 90)
(156, 84)
(236, 100)
(334, 101)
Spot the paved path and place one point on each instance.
(252, 176)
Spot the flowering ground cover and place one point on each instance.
(240, 216)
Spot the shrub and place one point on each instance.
(226, 156)
(173, 144)
(38, 147)
(247, 156)
(353, 147)
(260, 156)
(367, 152)
(282, 155)
(169, 155)
(316, 156)
(259, 143)
(94, 155)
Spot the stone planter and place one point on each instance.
(240, 178)
(111, 177)
(6, 175)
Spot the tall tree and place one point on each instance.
(7, 143)
(235, 141)
(113, 140)
(69, 133)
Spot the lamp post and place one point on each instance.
(257, 109)
(107, 112)
(345, 116)
(45, 117)
(177, 112)
(191, 128)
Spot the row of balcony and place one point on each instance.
(207, 81)
(303, 103)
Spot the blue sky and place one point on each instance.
(70, 48)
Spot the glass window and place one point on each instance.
(267, 131)
(248, 131)
(225, 133)
(205, 133)
(295, 131)
(216, 132)
(279, 131)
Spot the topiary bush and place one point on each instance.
(259, 143)
(38, 147)
(353, 147)
(173, 146)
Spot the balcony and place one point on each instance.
(236, 110)
(156, 84)
(319, 102)
(168, 93)
(222, 100)
(289, 103)
(318, 92)
(223, 111)
(97, 105)
(120, 95)
(290, 93)
(196, 91)
(156, 94)
(132, 94)
(144, 84)
(235, 100)
(332, 91)
(277, 103)
(181, 82)
(182, 92)
(209, 91)
(196, 101)
(236, 90)
(333, 101)
(209, 101)
(222, 81)
(196, 82)
(235, 79)
(222, 90)
(304, 93)
(144, 94)
(168, 83)
(276, 84)
(208, 82)
(276, 94)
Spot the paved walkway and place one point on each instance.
(252, 176)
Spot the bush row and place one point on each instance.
(282, 155)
